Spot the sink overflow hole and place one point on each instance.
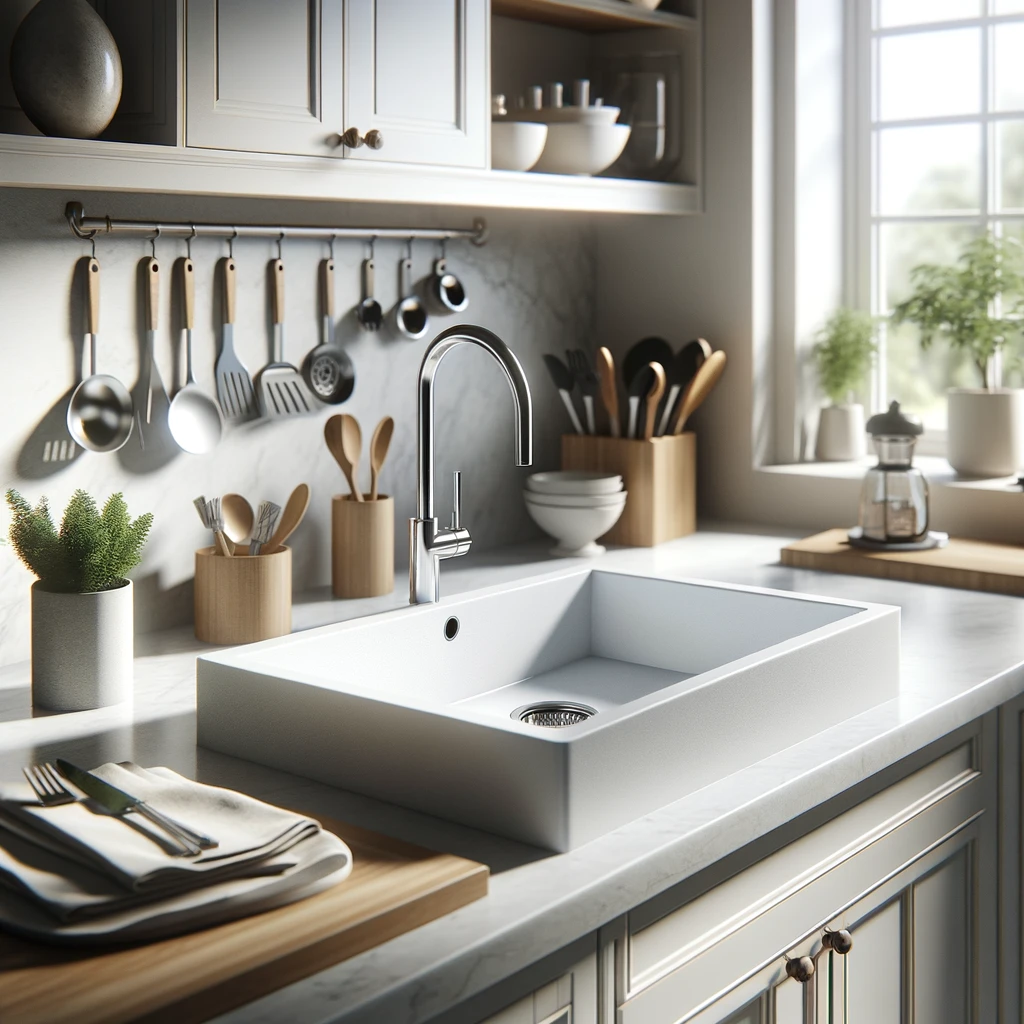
(451, 628)
(554, 714)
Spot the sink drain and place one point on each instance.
(553, 714)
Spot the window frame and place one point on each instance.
(864, 275)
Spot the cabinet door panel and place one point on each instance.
(264, 75)
(789, 1003)
(418, 73)
(875, 968)
(942, 915)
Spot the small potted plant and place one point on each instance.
(82, 628)
(842, 352)
(958, 303)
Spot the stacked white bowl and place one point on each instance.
(575, 508)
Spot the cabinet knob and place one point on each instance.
(351, 139)
(801, 968)
(840, 941)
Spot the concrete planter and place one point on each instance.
(841, 435)
(82, 648)
(986, 431)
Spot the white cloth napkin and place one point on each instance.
(136, 854)
(72, 872)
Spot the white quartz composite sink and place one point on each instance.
(688, 681)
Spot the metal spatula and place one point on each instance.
(282, 391)
(235, 393)
(155, 403)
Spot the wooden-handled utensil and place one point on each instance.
(653, 398)
(238, 519)
(345, 440)
(688, 360)
(279, 385)
(609, 389)
(294, 510)
(379, 444)
(235, 393)
(156, 393)
(699, 389)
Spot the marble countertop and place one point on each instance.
(962, 655)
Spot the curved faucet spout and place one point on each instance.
(521, 402)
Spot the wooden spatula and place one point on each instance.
(609, 391)
(653, 398)
(699, 389)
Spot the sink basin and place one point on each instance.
(672, 685)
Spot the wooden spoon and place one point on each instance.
(292, 515)
(344, 438)
(653, 398)
(379, 444)
(238, 519)
(699, 389)
(609, 391)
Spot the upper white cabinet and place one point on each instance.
(264, 76)
(294, 76)
(417, 74)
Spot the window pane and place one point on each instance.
(1008, 7)
(930, 170)
(931, 74)
(914, 12)
(1010, 163)
(919, 378)
(1009, 47)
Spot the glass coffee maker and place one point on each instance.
(894, 496)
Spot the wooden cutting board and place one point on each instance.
(394, 887)
(967, 564)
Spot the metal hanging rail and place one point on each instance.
(89, 227)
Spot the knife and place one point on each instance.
(119, 802)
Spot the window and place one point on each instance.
(938, 154)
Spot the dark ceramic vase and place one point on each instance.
(66, 69)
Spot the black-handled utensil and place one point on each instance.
(688, 360)
(648, 350)
(587, 381)
(644, 380)
(563, 379)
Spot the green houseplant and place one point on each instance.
(959, 303)
(842, 353)
(82, 644)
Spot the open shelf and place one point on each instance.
(72, 164)
(592, 15)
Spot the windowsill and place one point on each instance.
(937, 470)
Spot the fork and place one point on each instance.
(46, 785)
(587, 380)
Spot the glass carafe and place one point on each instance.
(894, 496)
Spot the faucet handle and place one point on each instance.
(456, 500)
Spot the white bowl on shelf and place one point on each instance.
(576, 529)
(647, 5)
(516, 145)
(574, 481)
(580, 148)
(564, 115)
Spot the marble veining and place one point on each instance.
(962, 655)
(532, 283)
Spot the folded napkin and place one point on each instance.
(73, 872)
(135, 853)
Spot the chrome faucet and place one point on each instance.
(428, 543)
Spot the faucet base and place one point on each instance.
(427, 547)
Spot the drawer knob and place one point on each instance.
(840, 941)
(351, 139)
(374, 139)
(801, 968)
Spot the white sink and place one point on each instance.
(689, 681)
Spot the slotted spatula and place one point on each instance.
(281, 388)
(235, 394)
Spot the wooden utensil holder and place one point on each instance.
(244, 598)
(660, 476)
(362, 546)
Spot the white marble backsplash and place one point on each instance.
(533, 284)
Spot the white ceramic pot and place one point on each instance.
(82, 648)
(841, 436)
(986, 431)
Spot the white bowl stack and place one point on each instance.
(575, 508)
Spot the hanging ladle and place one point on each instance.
(100, 413)
(410, 314)
(328, 369)
(445, 286)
